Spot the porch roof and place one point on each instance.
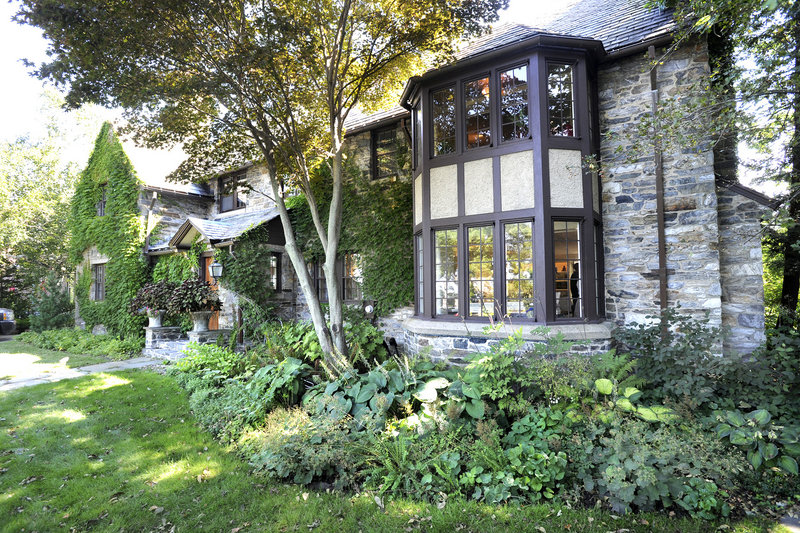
(220, 229)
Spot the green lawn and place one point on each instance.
(18, 359)
(121, 451)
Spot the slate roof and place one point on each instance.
(359, 122)
(615, 23)
(223, 229)
(193, 189)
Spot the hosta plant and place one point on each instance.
(767, 445)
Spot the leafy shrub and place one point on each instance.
(702, 499)
(153, 297)
(202, 358)
(52, 307)
(767, 445)
(298, 447)
(634, 464)
(79, 341)
(193, 295)
(677, 361)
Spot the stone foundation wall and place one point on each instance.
(742, 271)
(629, 194)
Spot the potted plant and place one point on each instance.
(196, 297)
(153, 299)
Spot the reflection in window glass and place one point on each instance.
(568, 273)
(99, 282)
(321, 285)
(417, 136)
(420, 277)
(385, 153)
(477, 113)
(481, 271)
(275, 271)
(519, 270)
(352, 278)
(514, 103)
(443, 113)
(446, 272)
(560, 107)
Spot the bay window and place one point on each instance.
(446, 271)
(477, 113)
(514, 104)
(443, 113)
(480, 253)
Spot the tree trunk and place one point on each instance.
(791, 247)
(331, 254)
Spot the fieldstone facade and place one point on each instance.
(629, 195)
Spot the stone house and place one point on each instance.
(535, 196)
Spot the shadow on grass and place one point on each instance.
(121, 451)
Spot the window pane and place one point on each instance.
(567, 269)
(477, 113)
(560, 108)
(481, 271)
(446, 272)
(443, 113)
(352, 278)
(417, 136)
(385, 153)
(420, 276)
(275, 271)
(519, 269)
(514, 103)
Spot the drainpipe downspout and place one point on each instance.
(659, 168)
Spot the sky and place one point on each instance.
(21, 95)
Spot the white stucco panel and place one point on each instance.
(444, 192)
(566, 178)
(418, 200)
(516, 180)
(478, 187)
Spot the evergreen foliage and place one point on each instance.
(53, 308)
(118, 235)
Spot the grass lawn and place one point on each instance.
(18, 359)
(121, 451)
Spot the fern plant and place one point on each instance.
(620, 368)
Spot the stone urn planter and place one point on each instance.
(200, 319)
(155, 318)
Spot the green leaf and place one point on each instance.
(761, 416)
(475, 409)
(632, 393)
(770, 451)
(788, 464)
(366, 392)
(604, 386)
(439, 383)
(735, 418)
(626, 405)
(470, 391)
(755, 458)
(331, 388)
(740, 438)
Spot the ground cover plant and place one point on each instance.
(82, 342)
(113, 452)
(520, 423)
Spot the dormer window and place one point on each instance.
(560, 100)
(101, 203)
(443, 114)
(477, 113)
(229, 195)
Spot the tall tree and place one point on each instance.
(270, 81)
(763, 36)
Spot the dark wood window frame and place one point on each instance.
(318, 277)
(377, 156)
(98, 282)
(232, 183)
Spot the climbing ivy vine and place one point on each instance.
(117, 234)
(376, 224)
(180, 266)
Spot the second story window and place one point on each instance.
(229, 195)
(384, 153)
(477, 113)
(514, 103)
(560, 100)
(443, 114)
(101, 203)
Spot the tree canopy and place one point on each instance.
(270, 81)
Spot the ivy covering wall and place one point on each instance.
(118, 235)
(376, 224)
(179, 266)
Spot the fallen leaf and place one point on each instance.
(305, 496)
(379, 501)
(156, 509)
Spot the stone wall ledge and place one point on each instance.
(422, 326)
